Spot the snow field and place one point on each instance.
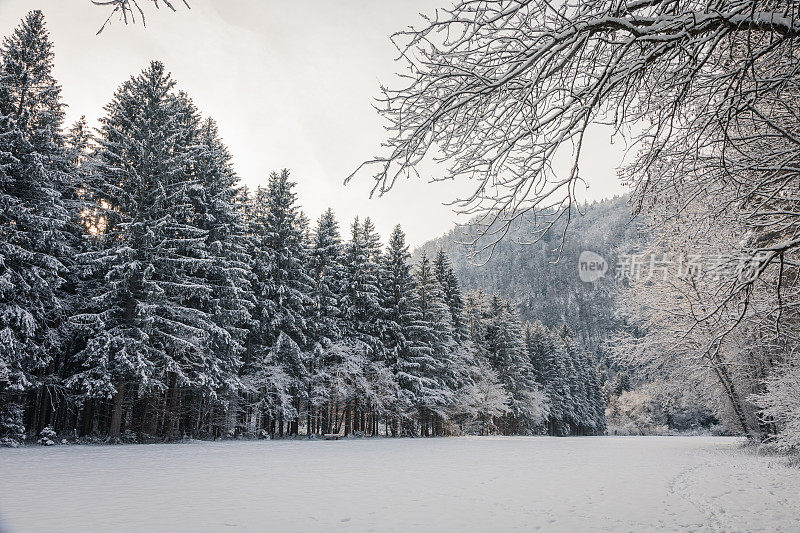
(444, 484)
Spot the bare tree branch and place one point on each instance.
(128, 10)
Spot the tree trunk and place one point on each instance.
(116, 414)
(733, 396)
(171, 408)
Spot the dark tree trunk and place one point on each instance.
(733, 396)
(116, 414)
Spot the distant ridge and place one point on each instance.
(545, 287)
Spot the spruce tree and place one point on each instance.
(576, 378)
(372, 245)
(595, 399)
(537, 345)
(476, 314)
(557, 386)
(452, 294)
(151, 328)
(34, 244)
(282, 293)
(362, 298)
(398, 296)
(436, 372)
(327, 278)
(78, 141)
(217, 209)
(363, 312)
(326, 318)
(509, 358)
(401, 311)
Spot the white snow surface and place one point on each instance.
(444, 484)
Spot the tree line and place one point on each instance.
(145, 293)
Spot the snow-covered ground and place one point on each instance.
(459, 484)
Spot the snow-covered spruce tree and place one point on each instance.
(327, 281)
(575, 372)
(151, 323)
(452, 294)
(78, 146)
(373, 252)
(87, 275)
(86, 209)
(34, 243)
(557, 381)
(508, 356)
(400, 304)
(265, 384)
(596, 420)
(372, 244)
(217, 208)
(330, 349)
(570, 379)
(361, 305)
(476, 312)
(538, 344)
(433, 365)
(78, 141)
(282, 291)
(85, 223)
(481, 328)
(362, 300)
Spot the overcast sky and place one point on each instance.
(291, 85)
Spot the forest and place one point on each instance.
(540, 280)
(145, 294)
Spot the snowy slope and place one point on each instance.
(467, 484)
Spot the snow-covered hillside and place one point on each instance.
(455, 484)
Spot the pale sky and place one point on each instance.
(291, 84)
